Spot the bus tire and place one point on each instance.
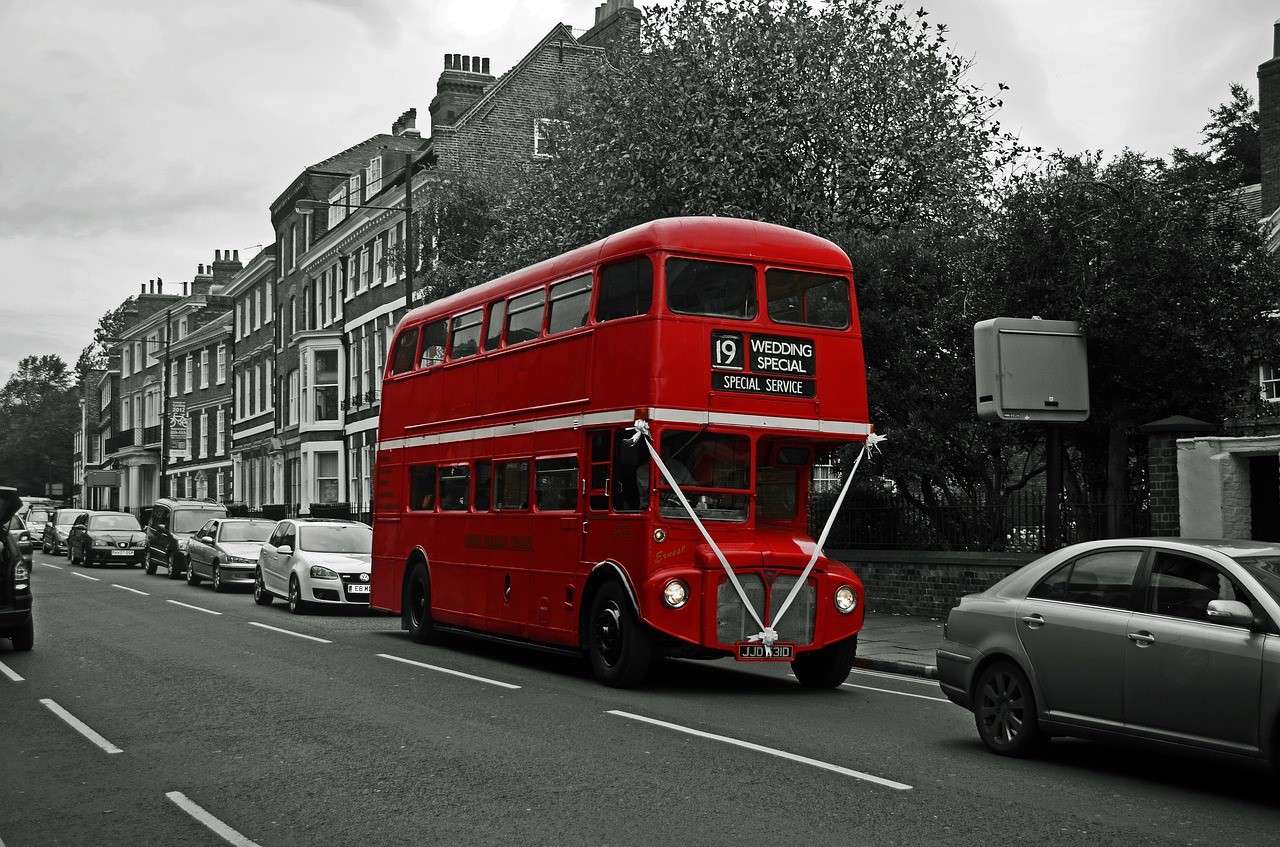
(828, 667)
(618, 644)
(415, 608)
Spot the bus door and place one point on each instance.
(554, 577)
(616, 503)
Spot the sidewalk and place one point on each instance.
(899, 644)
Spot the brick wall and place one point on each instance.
(1162, 484)
(1269, 126)
(926, 583)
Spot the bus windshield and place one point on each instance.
(712, 469)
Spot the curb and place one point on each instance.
(891, 666)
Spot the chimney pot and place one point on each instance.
(466, 63)
(1275, 53)
(235, 255)
(184, 289)
(475, 64)
(485, 62)
(457, 61)
(143, 288)
(448, 61)
(159, 285)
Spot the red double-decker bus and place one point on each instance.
(611, 451)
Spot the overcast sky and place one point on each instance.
(138, 136)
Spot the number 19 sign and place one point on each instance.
(763, 364)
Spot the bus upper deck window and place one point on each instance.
(524, 317)
(433, 338)
(464, 339)
(569, 302)
(493, 332)
(715, 289)
(807, 299)
(406, 350)
(626, 289)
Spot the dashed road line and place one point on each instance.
(51, 565)
(899, 693)
(448, 671)
(225, 832)
(897, 676)
(80, 727)
(85, 576)
(197, 608)
(290, 632)
(13, 675)
(127, 588)
(772, 751)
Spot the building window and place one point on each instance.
(375, 175)
(204, 368)
(291, 416)
(222, 364)
(219, 444)
(546, 132)
(1269, 381)
(326, 477)
(187, 375)
(323, 379)
(379, 260)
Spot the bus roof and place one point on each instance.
(710, 236)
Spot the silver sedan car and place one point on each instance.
(1163, 641)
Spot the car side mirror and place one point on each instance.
(1230, 612)
(207, 539)
(286, 550)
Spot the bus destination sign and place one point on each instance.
(762, 364)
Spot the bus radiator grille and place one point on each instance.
(733, 622)
(797, 623)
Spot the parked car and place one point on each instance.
(54, 538)
(226, 551)
(1166, 642)
(21, 534)
(314, 561)
(100, 537)
(170, 527)
(17, 620)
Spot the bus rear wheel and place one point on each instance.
(416, 606)
(619, 646)
(828, 667)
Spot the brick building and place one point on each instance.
(257, 468)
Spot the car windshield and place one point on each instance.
(349, 538)
(114, 522)
(39, 515)
(714, 471)
(1265, 569)
(248, 531)
(68, 518)
(189, 520)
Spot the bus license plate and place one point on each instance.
(754, 651)
(358, 589)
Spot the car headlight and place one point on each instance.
(846, 599)
(99, 542)
(240, 560)
(675, 593)
(318, 572)
(182, 544)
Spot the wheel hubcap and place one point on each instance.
(418, 605)
(607, 633)
(1002, 708)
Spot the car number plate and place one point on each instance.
(121, 552)
(358, 589)
(754, 651)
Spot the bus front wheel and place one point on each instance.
(828, 667)
(618, 644)
(416, 606)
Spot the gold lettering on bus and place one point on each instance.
(667, 555)
(523, 543)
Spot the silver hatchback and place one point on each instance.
(1166, 641)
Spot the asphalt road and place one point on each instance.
(153, 713)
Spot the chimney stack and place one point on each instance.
(464, 81)
(226, 264)
(1269, 125)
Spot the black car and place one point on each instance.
(169, 529)
(101, 537)
(16, 620)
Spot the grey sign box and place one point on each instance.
(1028, 369)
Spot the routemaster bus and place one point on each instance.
(610, 452)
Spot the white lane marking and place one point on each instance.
(51, 565)
(127, 588)
(223, 831)
(85, 576)
(447, 670)
(76, 724)
(898, 676)
(9, 672)
(878, 780)
(899, 693)
(290, 632)
(197, 608)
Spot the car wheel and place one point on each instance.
(86, 558)
(261, 595)
(175, 566)
(25, 638)
(150, 566)
(44, 548)
(828, 667)
(1005, 711)
(416, 609)
(296, 604)
(618, 644)
(192, 579)
(217, 579)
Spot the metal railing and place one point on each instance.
(116, 443)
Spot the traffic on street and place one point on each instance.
(153, 712)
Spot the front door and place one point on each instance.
(1186, 679)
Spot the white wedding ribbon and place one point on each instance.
(768, 634)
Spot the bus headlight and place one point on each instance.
(846, 599)
(675, 593)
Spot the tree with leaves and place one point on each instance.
(1232, 141)
(110, 326)
(39, 415)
